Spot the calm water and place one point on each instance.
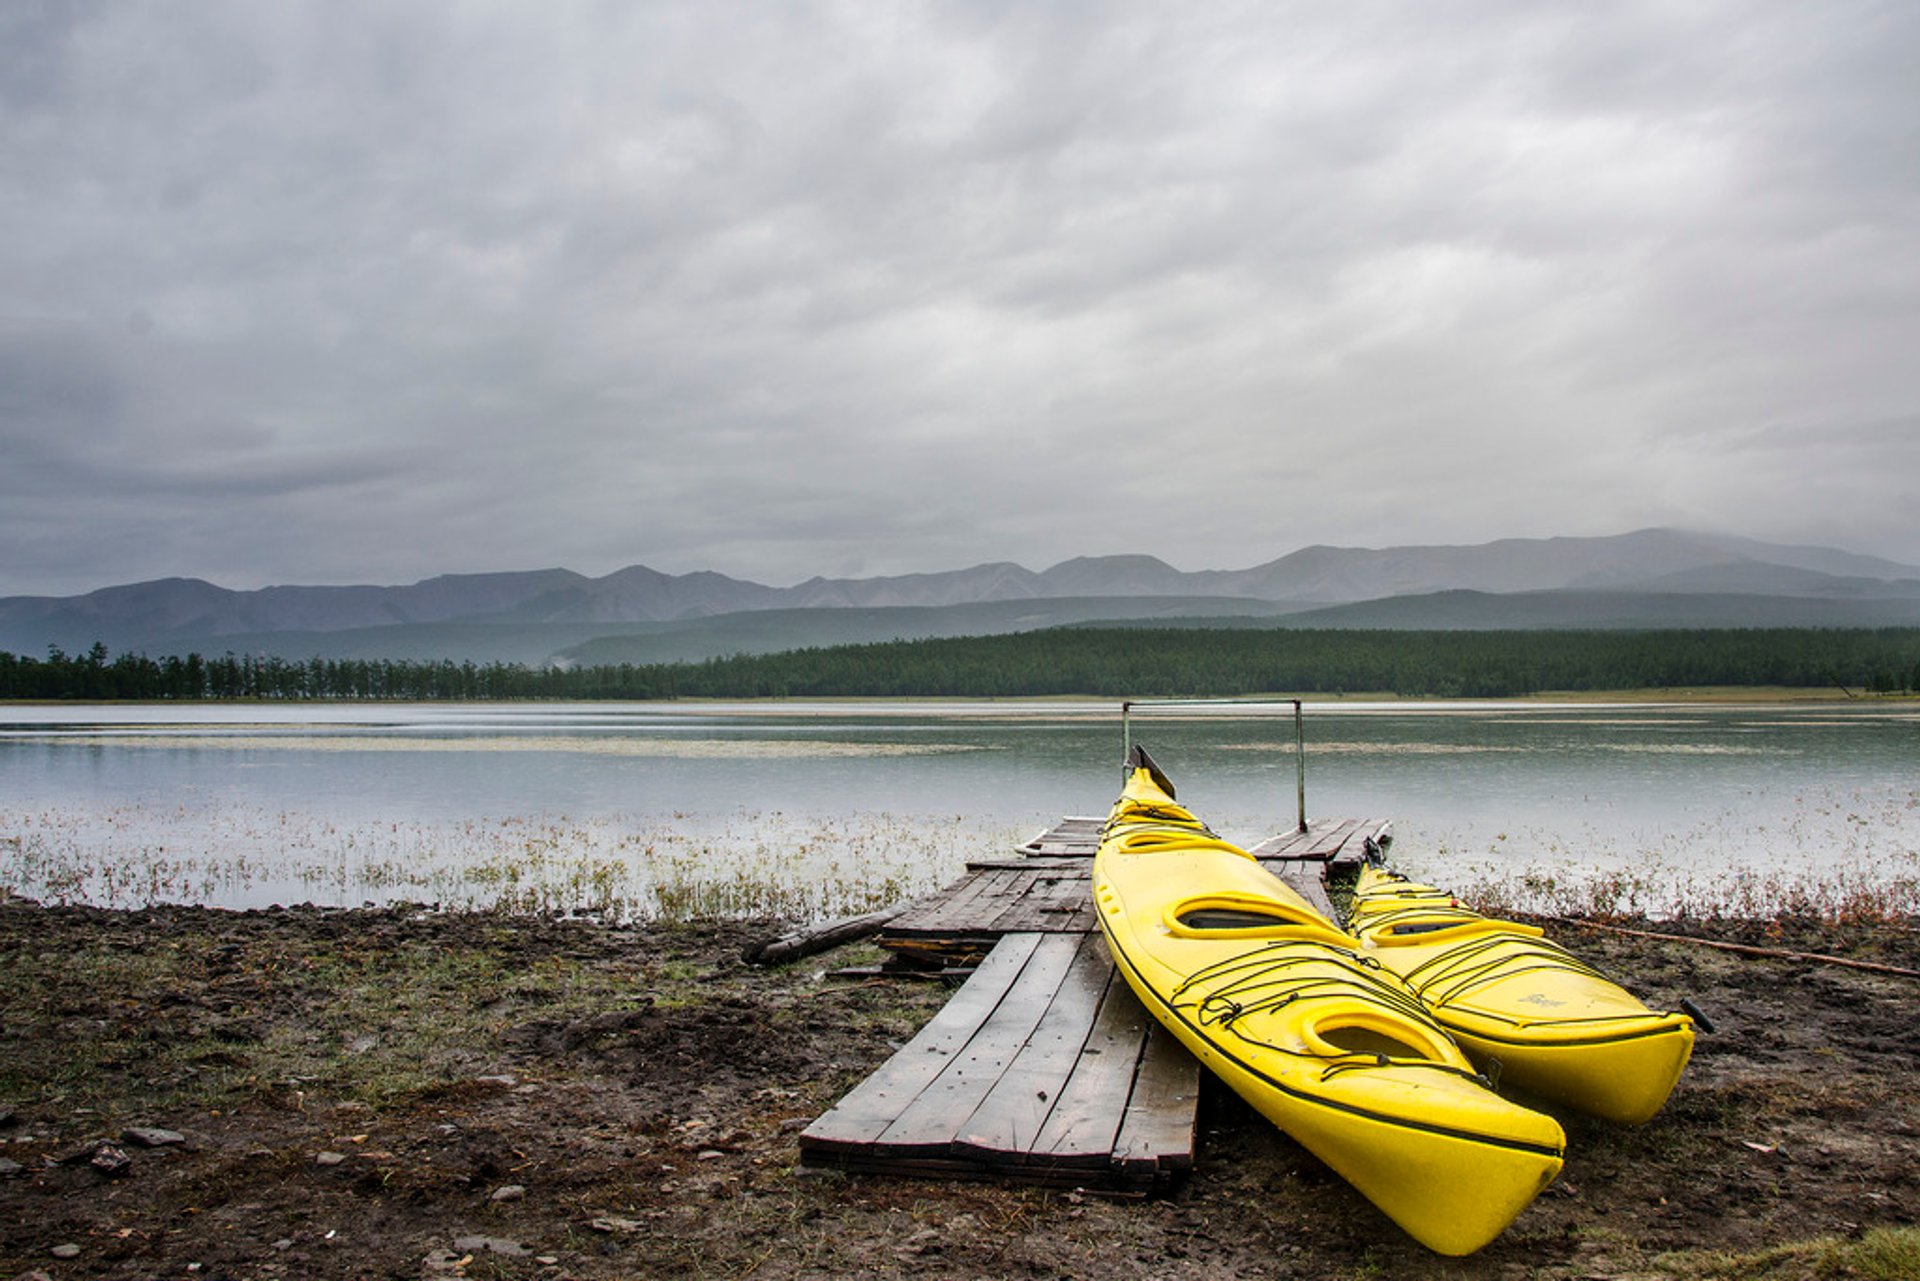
(645, 808)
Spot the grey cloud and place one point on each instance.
(335, 292)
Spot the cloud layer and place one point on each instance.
(338, 292)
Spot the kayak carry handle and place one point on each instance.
(1137, 759)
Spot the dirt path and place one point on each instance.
(399, 1094)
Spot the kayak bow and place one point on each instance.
(1312, 1032)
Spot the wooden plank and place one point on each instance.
(1328, 839)
(938, 951)
(865, 1113)
(1282, 844)
(1046, 904)
(999, 914)
(1086, 1118)
(1324, 839)
(1305, 879)
(1355, 848)
(1032, 863)
(928, 1124)
(928, 910)
(1292, 843)
(965, 901)
(1013, 1111)
(1070, 905)
(1066, 849)
(1156, 1135)
(1070, 836)
(820, 938)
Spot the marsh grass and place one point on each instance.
(1845, 858)
(1879, 1254)
(683, 867)
(1848, 859)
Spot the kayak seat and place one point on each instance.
(1245, 916)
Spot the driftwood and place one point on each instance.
(791, 947)
(1748, 949)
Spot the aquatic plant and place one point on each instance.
(620, 867)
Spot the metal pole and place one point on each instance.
(1300, 761)
(1126, 737)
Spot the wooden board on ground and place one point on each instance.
(1043, 1068)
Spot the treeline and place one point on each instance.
(1105, 662)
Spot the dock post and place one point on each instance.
(1300, 762)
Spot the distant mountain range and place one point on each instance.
(1652, 578)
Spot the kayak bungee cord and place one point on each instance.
(1446, 980)
(1224, 1007)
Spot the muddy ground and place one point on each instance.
(398, 1093)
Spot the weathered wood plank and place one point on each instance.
(1086, 1119)
(928, 1124)
(863, 1115)
(1280, 844)
(1156, 1135)
(936, 951)
(1324, 839)
(1010, 1116)
(1074, 836)
(965, 901)
(1033, 863)
(1045, 903)
(1303, 877)
(820, 938)
(1292, 843)
(1328, 839)
(1070, 905)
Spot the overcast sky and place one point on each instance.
(363, 293)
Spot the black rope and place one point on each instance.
(1449, 977)
(1270, 978)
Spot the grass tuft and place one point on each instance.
(1879, 1254)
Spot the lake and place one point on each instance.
(645, 810)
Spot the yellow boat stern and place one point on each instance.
(1521, 1005)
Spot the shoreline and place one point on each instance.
(1654, 696)
(400, 1092)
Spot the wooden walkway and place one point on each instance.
(1043, 1068)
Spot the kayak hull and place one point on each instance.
(1286, 1011)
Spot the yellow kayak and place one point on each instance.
(1553, 1024)
(1327, 1045)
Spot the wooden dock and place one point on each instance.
(1043, 1068)
(1047, 888)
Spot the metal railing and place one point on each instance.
(1299, 732)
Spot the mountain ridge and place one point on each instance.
(158, 614)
